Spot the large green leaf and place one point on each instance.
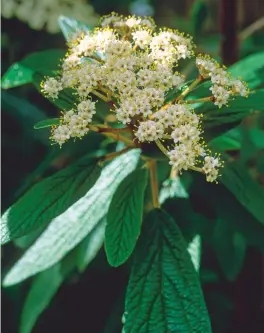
(218, 121)
(47, 123)
(89, 247)
(70, 27)
(248, 192)
(164, 293)
(124, 217)
(41, 292)
(251, 69)
(230, 248)
(227, 141)
(43, 62)
(49, 198)
(70, 228)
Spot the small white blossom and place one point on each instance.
(239, 87)
(132, 21)
(142, 38)
(149, 131)
(52, 87)
(221, 95)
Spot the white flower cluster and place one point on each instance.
(224, 85)
(39, 14)
(127, 63)
(75, 124)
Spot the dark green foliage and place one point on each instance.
(124, 217)
(47, 123)
(164, 293)
(41, 63)
(48, 199)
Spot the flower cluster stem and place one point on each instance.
(113, 133)
(110, 156)
(200, 100)
(152, 165)
(161, 147)
(103, 97)
(193, 85)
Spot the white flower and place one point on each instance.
(52, 87)
(86, 109)
(206, 66)
(239, 87)
(61, 134)
(182, 157)
(221, 95)
(142, 38)
(185, 133)
(212, 176)
(149, 131)
(220, 77)
(132, 21)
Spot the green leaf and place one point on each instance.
(70, 27)
(198, 15)
(89, 247)
(164, 293)
(228, 141)
(237, 109)
(47, 123)
(70, 228)
(48, 199)
(248, 192)
(194, 249)
(217, 121)
(124, 217)
(41, 292)
(43, 62)
(251, 69)
(172, 188)
(230, 248)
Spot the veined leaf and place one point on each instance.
(235, 111)
(47, 123)
(228, 141)
(124, 217)
(70, 228)
(89, 247)
(48, 199)
(194, 249)
(41, 292)
(230, 248)
(217, 121)
(247, 191)
(43, 62)
(164, 293)
(70, 27)
(251, 69)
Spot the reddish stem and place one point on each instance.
(228, 22)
